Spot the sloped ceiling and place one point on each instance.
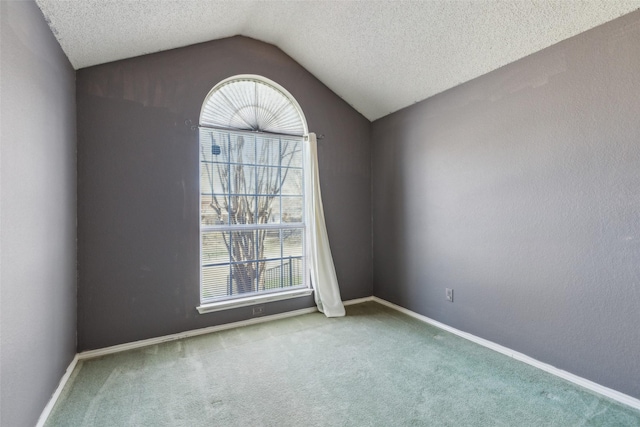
(380, 56)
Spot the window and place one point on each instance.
(252, 222)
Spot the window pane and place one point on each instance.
(292, 241)
(268, 180)
(213, 210)
(269, 244)
(242, 209)
(214, 146)
(243, 245)
(243, 149)
(214, 178)
(243, 277)
(268, 151)
(243, 179)
(291, 209)
(292, 182)
(292, 272)
(215, 249)
(291, 153)
(215, 282)
(268, 210)
(271, 275)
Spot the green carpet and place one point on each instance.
(375, 367)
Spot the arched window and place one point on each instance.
(252, 222)
(253, 103)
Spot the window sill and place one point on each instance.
(252, 300)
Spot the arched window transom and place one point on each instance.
(252, 103)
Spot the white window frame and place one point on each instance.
(260, 297)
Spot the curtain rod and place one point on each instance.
(194, 127)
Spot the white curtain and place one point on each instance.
(319, 260)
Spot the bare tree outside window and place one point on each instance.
(252, 209)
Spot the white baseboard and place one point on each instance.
(357, 301)
(195, 332)
(56, 394)
(192, 333)
(583, 382)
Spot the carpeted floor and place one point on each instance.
(375, 367)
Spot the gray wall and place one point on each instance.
(38, 221)
(138, 210)
(521, 191)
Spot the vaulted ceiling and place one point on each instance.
(380, 56)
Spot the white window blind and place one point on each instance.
(251, 104)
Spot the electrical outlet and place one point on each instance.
(258, 310)
(449, 294)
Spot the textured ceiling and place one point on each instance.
(380, 56)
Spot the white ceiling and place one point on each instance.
(380, 56)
